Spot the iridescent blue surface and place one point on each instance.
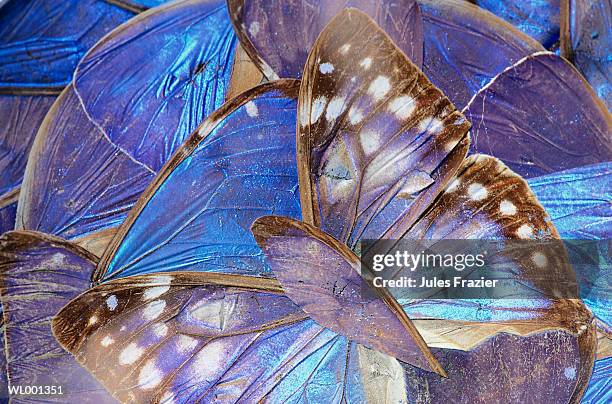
(537, 18)
(140, 92)
(200, 215)
(7, 217)
(41, 41)
(599, 390)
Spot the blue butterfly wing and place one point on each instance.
(30, 298)
(588, 43)
(465, 47)
(599, 390)
(41, 41)
(556, 122)
(239, 165)
(539, 19)
(137, 95)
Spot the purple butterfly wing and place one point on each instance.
(8, 211)
(373, 132)
(278, 35)
(139, 92)
(507, 368)
(465, 47)
(187, 336)
(556, 122)
(38, 275)
(585, 40)
(322, 276)
(246, 153)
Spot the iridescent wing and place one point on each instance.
(556, 122)
(137, 6)
(600, 384)
(195, 336)
(465, 47)
(507, 368)
(323, 277)
(245, 152)
(585, 40)
(8, 211)
(41, 41)
(278, 35)
(373, 132)
(38, 275)
(539, 19)
(140, 92)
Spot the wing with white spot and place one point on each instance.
(323, 277)
(556, 121)
(278, 34)
(186, 337)
(39, 274)
(239, 165)
(373, 133)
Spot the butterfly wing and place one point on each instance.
(246, 154)
(373, 131)
(38, 275)
(137, 6)
(8, 211)
(41, 41)
(585, 39)
(278, 35)
(600, 383)
(538, 19)
(188, 336)
(323, 277)
(556, 121)
(507, 368)
(139, 92)
(465, 47)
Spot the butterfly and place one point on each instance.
(82, 190)
(159, 310)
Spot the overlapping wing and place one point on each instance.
(556, 121)
(39, 274)
(278, 35)
(239, 165)
(373, 132)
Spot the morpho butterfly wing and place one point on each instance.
(323, 277)
(8, 211)
(137, 6)
(465, 47)
(141, 111)
(38, 275)
(552, 366)
(600, 385)
(41, 41)
(578, 200)
(77, 181)
(586, 38)
(246, 153)
(373, 131)
(555, 123)
(539, 19)
(278, 35)
(195, 336)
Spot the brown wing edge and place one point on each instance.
(287, 86)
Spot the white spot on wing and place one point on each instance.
(317, 108)
(379, 87)
(150, 376)
(326, 68)
(251, 109)
(106, 341)
(569, 373)
(369, 141)
(539, 259)
(334, 108)
(254, 28)
(525, 231)
(92, 320)
(452, 187)
(366, 63)
(186, 344)
(155, 292)
(111, 302)
(345, 48)
(430, 125)
(130, 354)
(477, 192)
(355, 115)
(402, 106)
(507, 208)
(154, 309)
